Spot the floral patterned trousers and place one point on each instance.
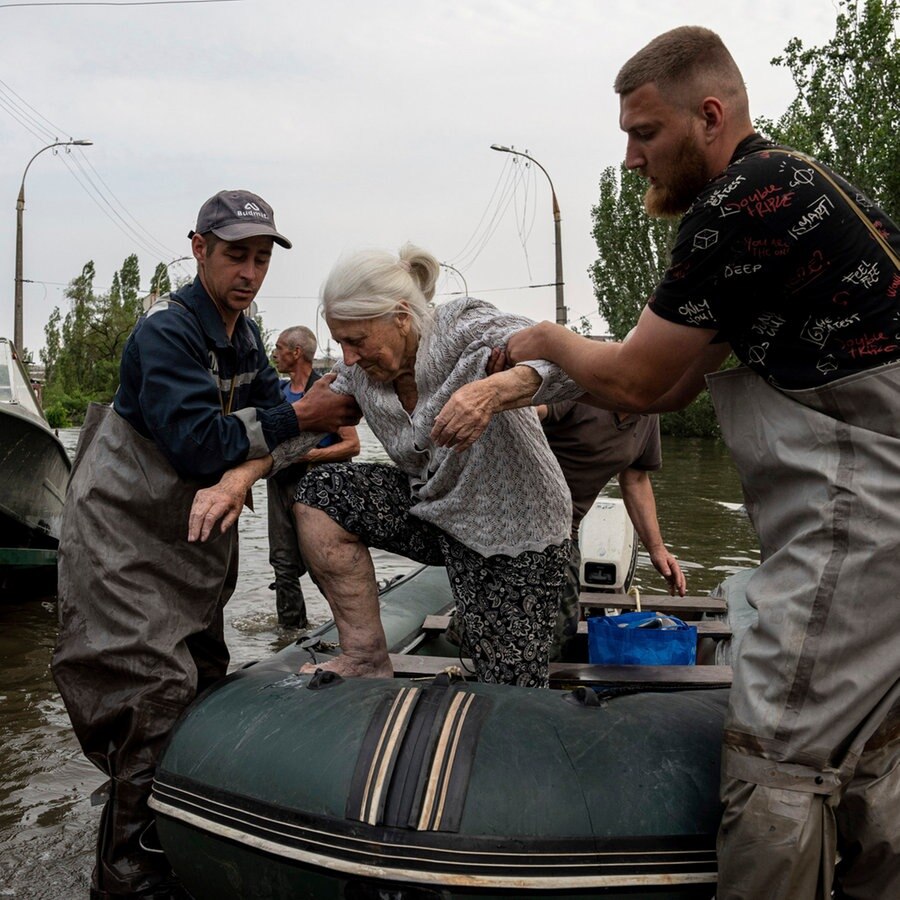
(507, 604)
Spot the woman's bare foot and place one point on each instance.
(353, 667)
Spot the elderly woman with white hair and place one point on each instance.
(494, 510)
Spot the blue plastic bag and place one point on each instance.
(627, 641)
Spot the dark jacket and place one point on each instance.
(208, 403)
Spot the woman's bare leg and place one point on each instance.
(343, 569)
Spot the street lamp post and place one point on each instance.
(557, 232)
(153, 296)
(20, 209)
(460, 274)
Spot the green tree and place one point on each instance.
(73, 366)
(633, 249)
(160, 284)
(83, 349)
(633, 253)
(847, 109)
(267, 334)
(130, 283)
(52, 344)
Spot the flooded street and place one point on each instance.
(47, 823)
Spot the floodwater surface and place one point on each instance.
(47, 823)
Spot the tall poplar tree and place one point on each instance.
(633, 249)
(83, 348)
(847, 109)
(160, 284)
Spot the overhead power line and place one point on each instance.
(94, 286)
(52, 131)
(23, 120)
(164, 251)
(507, 193)
(514, 178)
(106, 207)
(521, 287)
(465, 248)
(85, 173)
(112, 3)
(524, 227)
(475, 293)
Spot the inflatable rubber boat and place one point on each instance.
(280, 785)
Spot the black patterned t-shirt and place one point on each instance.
(775, 258)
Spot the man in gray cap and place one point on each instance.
(141, 608)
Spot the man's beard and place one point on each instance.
(684, 182)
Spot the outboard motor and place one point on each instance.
(608, 544)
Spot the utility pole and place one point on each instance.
(561, 317)
(20, 209)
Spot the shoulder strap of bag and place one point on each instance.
(879, 237)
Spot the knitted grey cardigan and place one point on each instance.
(506, 494)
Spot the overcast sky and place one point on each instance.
(363, 122)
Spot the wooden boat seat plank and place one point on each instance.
(660, 602)
(706, 628)
(27, 557)
(406, 666)
(586, 673)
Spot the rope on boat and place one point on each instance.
(637, 596)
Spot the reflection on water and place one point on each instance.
(701, 515)
(46, 822)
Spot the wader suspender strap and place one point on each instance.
(850, 202)
(226, 408)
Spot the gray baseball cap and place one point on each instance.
(233, 215)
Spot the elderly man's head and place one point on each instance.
(294, 345)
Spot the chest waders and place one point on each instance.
(811, 757)
(141, 626)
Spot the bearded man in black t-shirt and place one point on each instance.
(796, 271)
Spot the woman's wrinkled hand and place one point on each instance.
(464, 417)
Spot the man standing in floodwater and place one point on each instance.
(294, 353)
(141, 609)
(797, 271)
